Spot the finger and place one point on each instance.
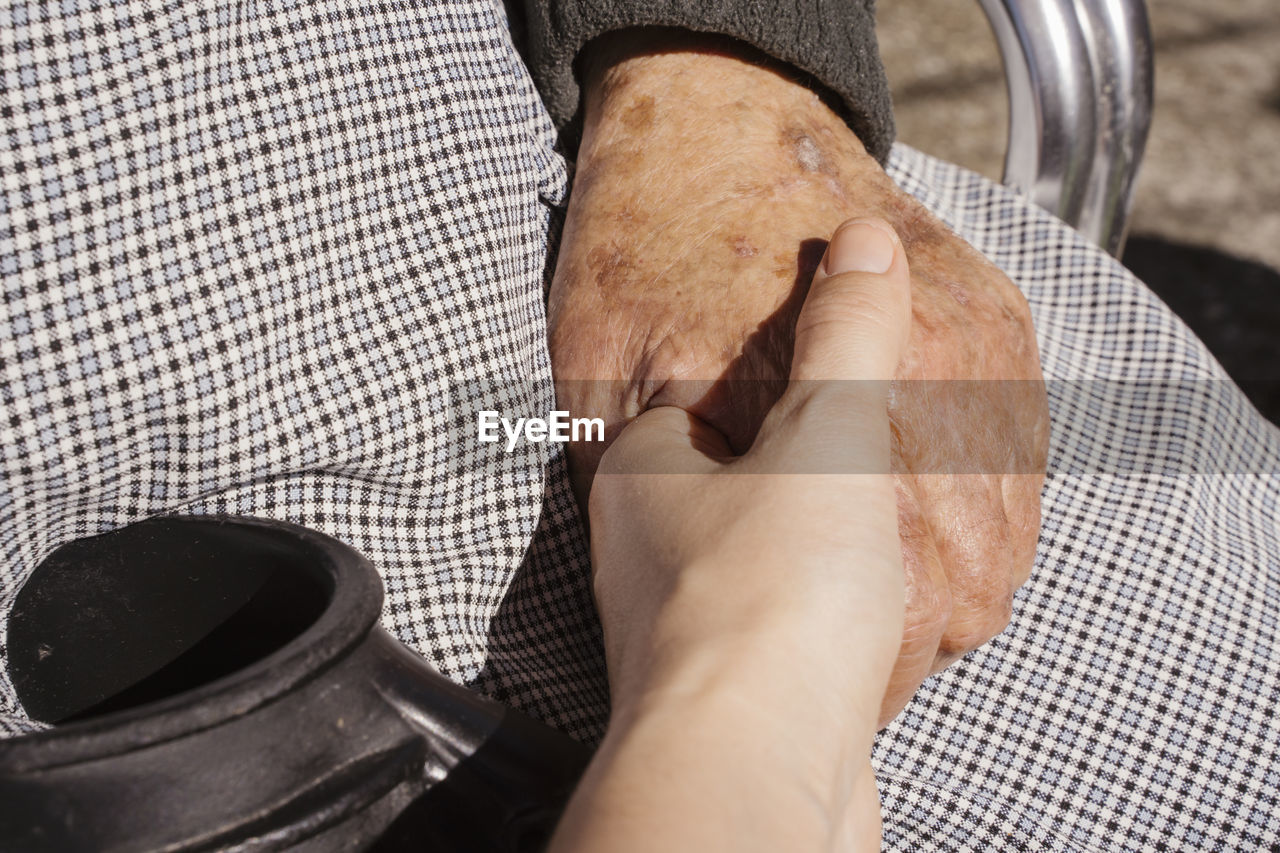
(928, 603)
(1021, 495)
(1022, 490)
(966, 514)
(665, 440)
(850, 336)
(855, 319)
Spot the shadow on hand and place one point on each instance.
(736, 402)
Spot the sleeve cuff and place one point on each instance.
(834, 41)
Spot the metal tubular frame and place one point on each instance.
(1080, 77)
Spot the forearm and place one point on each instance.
(740, 749)
(697, 778)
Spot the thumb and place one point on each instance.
(855, 320)
(850, 335)
(665, 440)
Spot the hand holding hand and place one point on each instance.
(707, 182)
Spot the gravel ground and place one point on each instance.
(1205, 231)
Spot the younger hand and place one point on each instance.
(753, 605)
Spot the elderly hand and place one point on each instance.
(705, 185)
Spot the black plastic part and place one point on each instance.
(259, 708)
(156, 609)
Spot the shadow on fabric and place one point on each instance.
(1231, 303)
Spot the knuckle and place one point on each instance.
(971, 625)
(928, 613)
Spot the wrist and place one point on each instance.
(693, 160)
(684, 93)
(775, 728)
(711, 772)
(811, 661)
(708, 62)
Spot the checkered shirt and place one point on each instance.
(268, 258)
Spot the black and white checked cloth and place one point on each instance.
(264, 257)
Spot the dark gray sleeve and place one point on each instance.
(832, 40)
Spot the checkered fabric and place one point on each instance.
(258, 259)
(268, 258)
(1131, 703)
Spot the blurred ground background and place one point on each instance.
(1205, 231)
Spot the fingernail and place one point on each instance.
(859, 247)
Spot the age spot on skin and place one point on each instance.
(639, 116)
(784, 267)
(807, 152)
(616, 80)
(611, 265)
(743, 248)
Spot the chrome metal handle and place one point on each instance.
(1080, 77)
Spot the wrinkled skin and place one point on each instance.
(706, 185)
